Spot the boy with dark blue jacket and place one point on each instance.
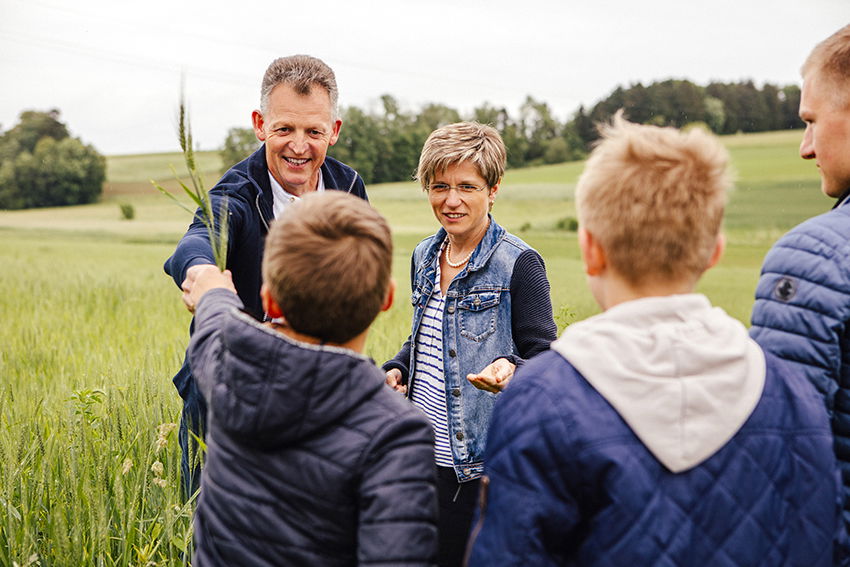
(311, 459)
(658, 432)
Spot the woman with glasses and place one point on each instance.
(481, 306)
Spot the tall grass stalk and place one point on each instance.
(204, 210)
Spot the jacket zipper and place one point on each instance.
(260, 212)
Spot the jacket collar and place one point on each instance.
(480, 255)
(288, 389)
(336, 175)
(842, 199)
(682, 374)
(258, 175)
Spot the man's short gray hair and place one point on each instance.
(301, 72)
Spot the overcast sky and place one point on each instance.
(113, 67)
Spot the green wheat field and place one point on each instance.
(93, 330)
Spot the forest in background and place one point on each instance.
(384, 145)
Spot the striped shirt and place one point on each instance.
(429, 391)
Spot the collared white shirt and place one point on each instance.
(281, 198)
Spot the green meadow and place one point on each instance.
(93, 330)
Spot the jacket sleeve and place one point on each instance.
(801, 315)
(194, 247)
(532, 323)
(398, 496)
(529, 511)
(803, 305)
(402, 359)
(205, 346)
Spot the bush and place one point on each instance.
(128, 212)
(239, 144)
(55, 172)
(567, 223)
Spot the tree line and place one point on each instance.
(41, 165)
(384, 145)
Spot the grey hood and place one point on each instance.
(682, 374)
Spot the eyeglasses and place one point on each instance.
(461, 188)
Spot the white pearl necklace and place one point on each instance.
(456, 264)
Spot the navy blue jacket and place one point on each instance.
(311, 458)
(802, 315)
(571, 484)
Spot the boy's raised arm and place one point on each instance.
(211, 295)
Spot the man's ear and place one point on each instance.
(335, 133)
(258, 123)
(388, 301)
(592, 253)
(719, 248)
(270, 306)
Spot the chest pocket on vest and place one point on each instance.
(477, 315)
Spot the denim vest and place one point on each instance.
(476, 331)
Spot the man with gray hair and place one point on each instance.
(802, 308)
(297, 122)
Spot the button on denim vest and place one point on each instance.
(476, 331)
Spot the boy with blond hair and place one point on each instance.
(311, 460)
(658, 432)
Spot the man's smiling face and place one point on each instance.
(297, 129)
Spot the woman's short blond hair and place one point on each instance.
(654, 198)
(478, 144)
(327, 263)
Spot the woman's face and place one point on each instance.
(462, 213)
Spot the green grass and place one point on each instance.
(85, 315)
(132, 168)
(93, 331)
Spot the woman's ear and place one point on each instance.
(495, 189)
(592, 253)
(492, 194)
(270, 306)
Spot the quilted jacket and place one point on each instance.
(802, 311)
(571, 482)
(311, 459)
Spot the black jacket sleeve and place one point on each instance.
(532, 323)
(402, 359)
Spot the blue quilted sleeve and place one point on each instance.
(803, 300)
